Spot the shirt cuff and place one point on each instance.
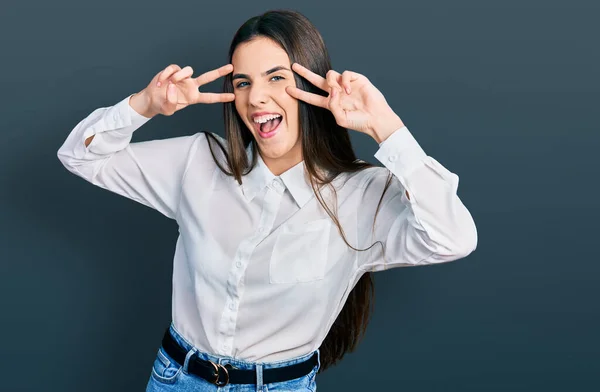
(401, 153)
(117, 123)
(132, 117)
(124, 118)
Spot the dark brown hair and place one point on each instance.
(325, 145)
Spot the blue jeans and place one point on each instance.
(169, 376)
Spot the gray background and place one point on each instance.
(505, 94)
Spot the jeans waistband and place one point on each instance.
(238, 363)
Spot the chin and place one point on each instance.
(277, 146)
(274, 151)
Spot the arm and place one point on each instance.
(421, 219)
(98, 150)
(139, 103)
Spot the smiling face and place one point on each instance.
(261, 71)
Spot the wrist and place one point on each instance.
(384, 128)
(140, 102)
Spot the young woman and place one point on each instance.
(278, 220)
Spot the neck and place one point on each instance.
(278, 166)
(281, 164)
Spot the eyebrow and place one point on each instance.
(274, 69)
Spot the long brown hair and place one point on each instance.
(325, 145)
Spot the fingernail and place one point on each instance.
(347, 90)
(158, 84)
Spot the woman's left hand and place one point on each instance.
(354, 101)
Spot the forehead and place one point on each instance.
(258, 55)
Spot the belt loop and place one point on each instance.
(188, 356)
(259, 377)
(318, 359)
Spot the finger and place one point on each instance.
(186, 72)
(213, 75)
(171, 95)
(312, 77)
(313, 99)
(347, 78)
(334, 103)
(216, 97)
(354, 75)
(333, 79)
(166, 73)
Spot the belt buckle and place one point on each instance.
(217, 374)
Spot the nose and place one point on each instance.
(259, 95)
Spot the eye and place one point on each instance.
(277, 78)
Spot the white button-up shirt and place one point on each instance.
(260, 270)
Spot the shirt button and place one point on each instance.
(231, 306)
(392, 158)
(226, 348)
(238, 264)
(261, 229)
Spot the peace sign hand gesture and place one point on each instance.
(174, 88)
(354, 102)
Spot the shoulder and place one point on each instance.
(215, 136)
(210, 146)
(364, 178)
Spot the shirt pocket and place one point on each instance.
(300, 252)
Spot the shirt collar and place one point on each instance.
(298, 184)
(260, 176)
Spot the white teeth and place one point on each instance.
(264, 119)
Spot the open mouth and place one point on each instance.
(267, 127)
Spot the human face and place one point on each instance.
(261, 72)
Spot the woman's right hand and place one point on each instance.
(173, 89)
